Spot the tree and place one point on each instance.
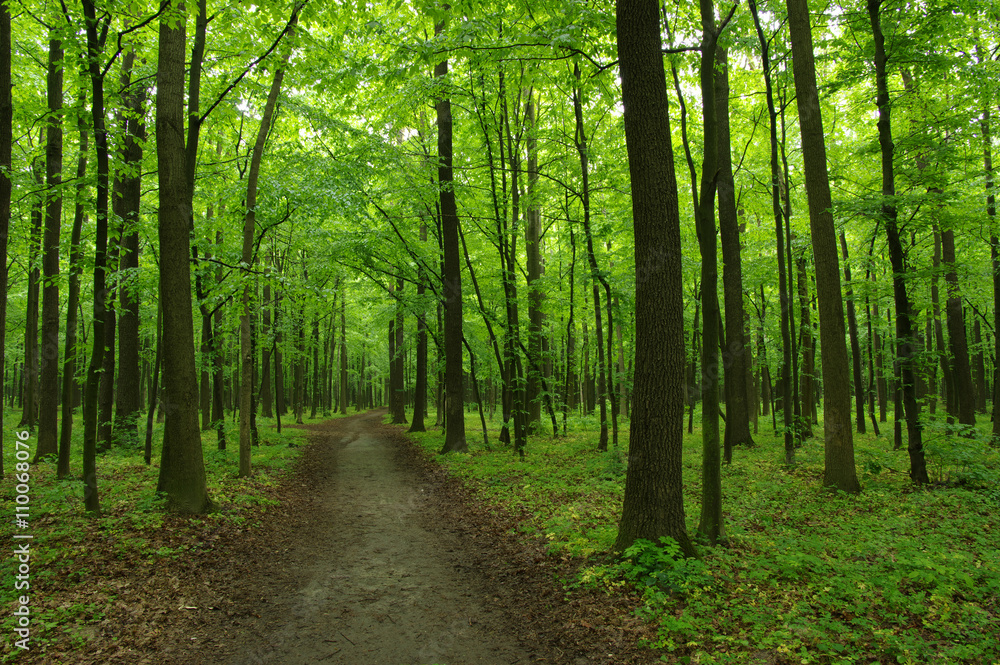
(6, 142)
(182, 467)
(454, 440)
(904, 313)
(839, 471)
(653, 504)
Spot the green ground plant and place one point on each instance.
(896, 574)
(133, 526)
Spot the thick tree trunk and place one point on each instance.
(454, 440)
(653, 504)
(182, 467)
(839, 468)
(47, 443)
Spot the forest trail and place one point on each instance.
(371, 578)
(376, 556)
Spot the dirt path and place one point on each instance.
(372, 580)
(375, 556)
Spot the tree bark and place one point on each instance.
(653, 504)
(904, 323)
(839, 468)
(785, 378)
(852, 330)
(182, 467)
(737, 354)
(248, 258)
(452, 274)
(72, 353)
(6, 147)
(965, 393)
(48, 426)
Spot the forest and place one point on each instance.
(705, 297)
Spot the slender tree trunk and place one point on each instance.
(904, 324)
(852, 329)
(343, 351)
(964, 391)
(128, 403)
(6, 147)
(533, 257)
(72, 353)
(808, 347)
(736, 359)
(247, 358)
(265, 372)
(29, 403)
(838, 437)
(47, 442)
(420, 383)
(653, 504)
(398, 384)
(785, 378)
(710, 526)
(583, 150)
(991, 211)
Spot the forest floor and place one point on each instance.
(373, 556)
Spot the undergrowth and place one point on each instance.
(895, 574)
(68, 547)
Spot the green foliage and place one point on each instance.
(898, 573)
(133, 527)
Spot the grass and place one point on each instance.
(132, 527)
(896, 574)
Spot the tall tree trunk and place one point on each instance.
(72, 353)
(128, 403)
(6, 147)
(265, 372)
(90, 493)
(397, 364)
(785, 379)
(964, 391)
(991, 211)
(452, 275)
(533, 260)
(584, 153)
(904, 323)
(47, 443)
(106, 391)
(839, 469)
(808, 347)
(737, 354)
(343, 351)
(420, 383)
(182, 467)
(570, 392)
(852, 330)
(247, 358)
(653, 504)
(29, 403)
